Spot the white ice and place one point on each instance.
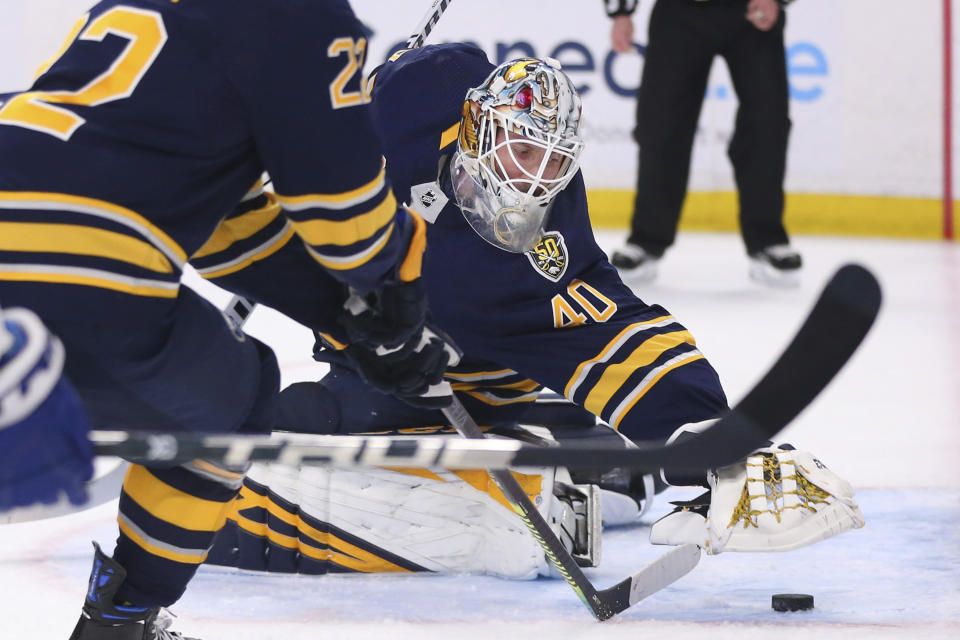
(890, 423)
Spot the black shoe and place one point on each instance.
(778, 265)
(102, 619)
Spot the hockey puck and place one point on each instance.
(792, 602)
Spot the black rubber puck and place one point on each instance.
(792, 602)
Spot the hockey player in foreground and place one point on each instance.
(127, 158)
(516, 278)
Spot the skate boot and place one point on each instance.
(778, 266)
(635, 263)
(102, 619)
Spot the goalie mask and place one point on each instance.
(519, 146)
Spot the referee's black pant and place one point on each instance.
(685, 36)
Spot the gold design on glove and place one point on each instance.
(808, 494)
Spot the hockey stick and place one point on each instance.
(603, 604)
(426, 25)
(831, 333)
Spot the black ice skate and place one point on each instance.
(778, 265)
(633, 261)
(102, 619)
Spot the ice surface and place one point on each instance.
(889, 424)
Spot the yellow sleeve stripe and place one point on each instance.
(343, 233)
(449, 135)
(585, 367)
(172, 505)
(522, 385)
(42, 201)
(616, 375)
(339, 346)
(343, 263)
(58, 274)
(157, 548)
(80, 240)
(413, 262)
(261, 252)
(335, 201)
(648, 382)
(239, 228)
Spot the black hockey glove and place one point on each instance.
(388, 317)
(412, 371)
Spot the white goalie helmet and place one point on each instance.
(519, 146)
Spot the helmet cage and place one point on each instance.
(522, 105)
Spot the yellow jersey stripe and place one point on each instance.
(343, 233)
(158, 548)
(339, 346)
(240, 228)
(616, 375)
(449, 135)
(80, 240)
(344, 263)
(522, 385)
(172, 505)
(261, 252)
(58, 274)
(43, 201)
(412, 263)
(335, 201)
(647, 383)
(585, 367)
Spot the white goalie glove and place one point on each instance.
(778, 499)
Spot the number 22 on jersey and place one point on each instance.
(145, 32)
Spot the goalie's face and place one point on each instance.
(519, 147)
(525, 165)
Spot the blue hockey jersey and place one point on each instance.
(131, 150)
(558, 316)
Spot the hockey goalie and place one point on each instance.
(315, 520)
(489, 157)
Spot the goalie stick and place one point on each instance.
(837, 324)
(603, 604)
